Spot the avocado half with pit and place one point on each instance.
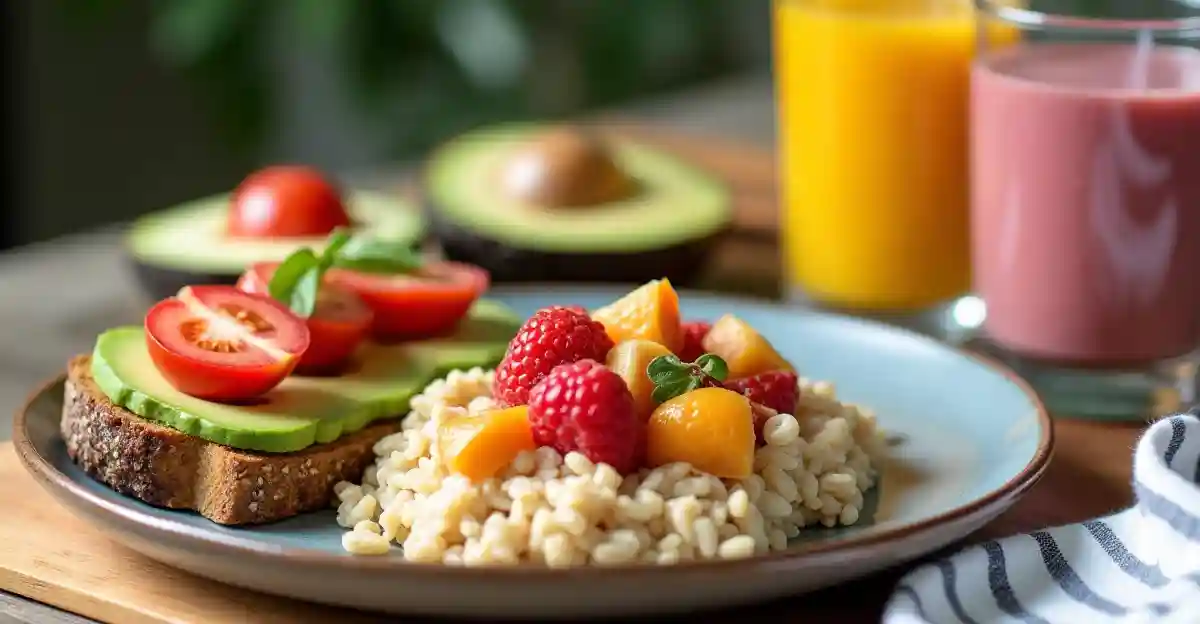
(559, 203)
(187, 244)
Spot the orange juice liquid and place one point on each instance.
(872, 104)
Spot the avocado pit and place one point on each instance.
(565, 167)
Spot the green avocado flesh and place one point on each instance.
(191, 236)
(301, 411)
(676, 203)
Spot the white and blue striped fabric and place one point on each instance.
(1139, 565)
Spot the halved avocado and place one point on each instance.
(555, 203)
(302, 411)
(186, 244)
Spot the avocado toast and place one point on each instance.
(247, 403)
(165, 467)
(262, 460)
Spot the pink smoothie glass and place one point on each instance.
(1085, 207)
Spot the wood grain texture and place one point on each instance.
(50, 556)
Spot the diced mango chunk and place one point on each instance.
(711, 428)
(650, 313)
(744, 350)
(481, 445)
(629, 359)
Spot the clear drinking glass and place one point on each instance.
(871, 102)
(1085, 217)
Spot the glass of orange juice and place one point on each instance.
(872, 100)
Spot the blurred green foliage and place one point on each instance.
(430, 68)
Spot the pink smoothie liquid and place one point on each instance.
(1086, 201)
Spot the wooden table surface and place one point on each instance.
(1089, 475)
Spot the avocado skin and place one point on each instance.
(681, 263)
(160, 282)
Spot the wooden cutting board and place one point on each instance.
(49, 555)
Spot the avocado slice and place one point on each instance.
(186, 244)
(301, 411)
(664, 228)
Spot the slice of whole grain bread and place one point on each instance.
(167, 468)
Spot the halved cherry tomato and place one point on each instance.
(424, 304)
(221, 344)
(337, 326)
(285, 201)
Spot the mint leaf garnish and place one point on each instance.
(664, 367)
(713, 366)
(673, 377)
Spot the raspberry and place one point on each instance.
(552, 336)
(585, 407)
(774, 389)
(693, 335)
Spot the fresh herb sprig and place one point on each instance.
(673, 377)
(373, 255)
(297, 281)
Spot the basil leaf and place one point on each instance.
(303, 298)
(370, 255)
(333, 247)
(289, 273)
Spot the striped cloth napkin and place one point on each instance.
(1139, 565)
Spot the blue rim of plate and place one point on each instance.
(1019, 484)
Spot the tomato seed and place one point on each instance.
(246, 318)
(219, 346)
(194, 330)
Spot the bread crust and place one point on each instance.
(167, 468)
